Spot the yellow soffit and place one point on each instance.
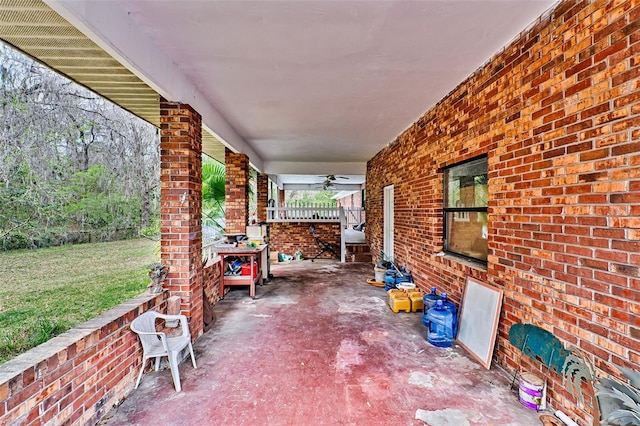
(37, 30)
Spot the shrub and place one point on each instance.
(15, 240)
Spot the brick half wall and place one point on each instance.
(291, 237)
(76, 377)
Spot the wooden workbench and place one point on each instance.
(256, 254)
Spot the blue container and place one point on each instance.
(393, 277)
(403, 277)
(389, 283)
(429, 300)
(390, 279)
(440, 331)
(454, 312)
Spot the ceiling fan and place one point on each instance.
(329, 180)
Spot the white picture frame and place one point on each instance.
(479, 317)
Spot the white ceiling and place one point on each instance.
(304, 87)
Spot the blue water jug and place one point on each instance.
(454, 312)
(429, 300)
(440, 331)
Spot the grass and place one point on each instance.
(46, 292)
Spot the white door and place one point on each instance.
(387, 245)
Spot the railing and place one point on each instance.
(304, 213)
(311, 213)
(208, 251)
(354, 216)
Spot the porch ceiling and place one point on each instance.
(303, 87)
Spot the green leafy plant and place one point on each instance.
(213, 194)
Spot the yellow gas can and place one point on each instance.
(417, 305)
(399, 301)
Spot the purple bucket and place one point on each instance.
(533, 392)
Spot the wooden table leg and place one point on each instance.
(221, 284)
(252, 287)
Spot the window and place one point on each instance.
(465, 209)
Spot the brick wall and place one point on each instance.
(262, 196)
(352, 200)
(557, 112)
(181, 206)
(76, 377)
(211, 281)
(236, 192)
(290, 237)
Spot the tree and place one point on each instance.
(56, 138)
(311, 197)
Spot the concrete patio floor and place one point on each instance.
(319, 346)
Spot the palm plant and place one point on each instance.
(213, 193)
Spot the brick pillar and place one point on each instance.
(262, 196)
(281, 197)
(236, 192)
(181, 207)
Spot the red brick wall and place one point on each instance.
(76, 377)
(353, 200)
(211, 281)
(237, 192)
(262, 197)
(557, 112)
(181, 206)
(290, 237)
(346, 202)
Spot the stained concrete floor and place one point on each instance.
(319, 346)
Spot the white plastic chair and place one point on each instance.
(156, 344)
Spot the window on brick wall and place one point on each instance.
(465, 209)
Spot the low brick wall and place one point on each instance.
(211, 280)
(290, 237)
(76, 377)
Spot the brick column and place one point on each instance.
(262, 196)
(236, 192)
(181, 207)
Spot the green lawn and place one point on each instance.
(45, 292)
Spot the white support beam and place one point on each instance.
(276, 180)
(318, 187)
(315, 168)
(343, 240)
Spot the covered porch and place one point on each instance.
(544, 100)
(320, 346)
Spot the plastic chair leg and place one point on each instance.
(144, 362)
(175, 373)
(193, 357)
